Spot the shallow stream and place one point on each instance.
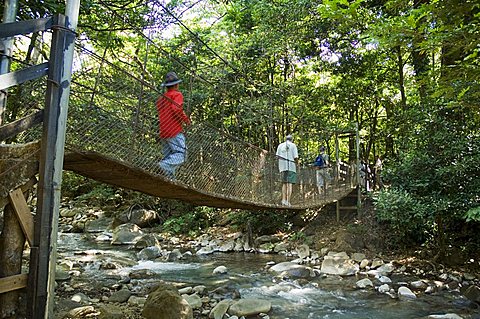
(321, 297)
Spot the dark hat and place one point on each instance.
(171, 79)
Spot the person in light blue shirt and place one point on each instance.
(287, 155)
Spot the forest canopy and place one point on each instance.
(406, 72)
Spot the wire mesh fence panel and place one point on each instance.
(113, 112)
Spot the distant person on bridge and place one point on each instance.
(378, 173)
(171, 118)
(287, 155)
(321, 164)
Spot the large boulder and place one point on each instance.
(337, 265)
(293, 270)
(472, 293)
(126, 234)
(166, 303)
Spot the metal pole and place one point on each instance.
(9, 15)
(359, 189)
(44, 248)
(337, 159)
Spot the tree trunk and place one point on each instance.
(401, 77)
(440, 239)
(12, 241)
(419, 56)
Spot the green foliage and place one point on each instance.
(101, 195)
(190, 223)
(473, 214)
(261, 222)
(408, 217)
(438, 178)
(298, 236)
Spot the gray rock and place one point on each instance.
(186, 290)
(126, 234)
(193, 300)
(220, 309)
(61, 275)
(149, 253)
(199, 289)
(266, 239)
(220, 270)
(111, 312)
(364, 283)
(472, 293)
(364, 263)
(206, 250)
(418, 284)
(249, 307)
(376, 263)
(384, 279)
(142, 274)
(147, 240)
(238, 245)
(120, 296)
(265, 248)
(303, 251)
(383, 270)
(174, 255)
(140, 216)
(338, 266)
(358, 257)
(384, 288)
(228, 246)
(67, 212)
(405, 293)
(293, 269)
(280, 247)
(342, 254)
(445, 316)
(80, 298)
(82, 312)
(137, 301)
(97, 225)
(166, 303)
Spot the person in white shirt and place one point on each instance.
(287, 155)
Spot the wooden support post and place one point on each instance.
(338, 210)
(17, 200)
(43, 251)
(12, 283)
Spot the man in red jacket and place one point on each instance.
(171, 119)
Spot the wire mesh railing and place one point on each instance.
(119, 120)
(113, 112)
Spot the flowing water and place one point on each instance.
(321, 297)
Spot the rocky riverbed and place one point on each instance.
(119, 267)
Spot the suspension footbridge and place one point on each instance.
(111, 135)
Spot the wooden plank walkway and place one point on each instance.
(114, 172)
